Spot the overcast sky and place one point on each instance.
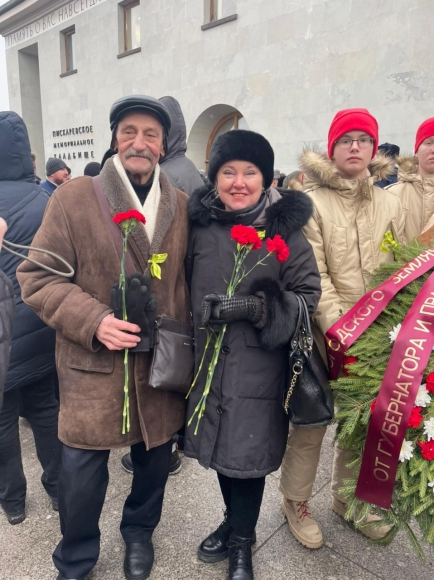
(4, 98)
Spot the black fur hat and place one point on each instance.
(243, 146)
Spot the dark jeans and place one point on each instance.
(82, 488)
(243, 499)
(37, 404)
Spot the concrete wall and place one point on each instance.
(286, 65)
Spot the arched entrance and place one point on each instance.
(213, 122)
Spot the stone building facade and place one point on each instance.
(280, 67)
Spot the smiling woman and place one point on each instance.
(242, 431)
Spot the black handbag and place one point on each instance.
(172, 364)
(308, 399)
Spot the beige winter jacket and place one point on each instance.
(416, 193)
(346, 230)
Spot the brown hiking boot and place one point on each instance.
(301, 523)
(339, 507)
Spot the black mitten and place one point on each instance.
(218, 308)
(142, 310)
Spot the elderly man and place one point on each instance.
(415, 186)
(57, 173)
(91, 341)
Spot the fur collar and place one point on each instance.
(120, 201)
(407, 163)
(286, 211)
(321, 170)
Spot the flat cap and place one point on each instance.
(149, 105)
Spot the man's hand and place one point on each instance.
(3, 229)
(115, 334)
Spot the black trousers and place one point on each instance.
(82, 488)
(243, 499)
(36, 402)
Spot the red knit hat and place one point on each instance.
(352, 120)
(425, 130)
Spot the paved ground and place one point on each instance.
(192, 509)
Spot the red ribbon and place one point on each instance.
(398, 391)
(353, 324)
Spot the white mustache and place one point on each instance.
(131, 152)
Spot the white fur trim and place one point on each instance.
(152, 201)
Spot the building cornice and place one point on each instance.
(22, 13)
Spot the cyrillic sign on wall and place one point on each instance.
(58, 16)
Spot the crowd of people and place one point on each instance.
(65, 370)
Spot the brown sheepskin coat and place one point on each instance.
(91, 377)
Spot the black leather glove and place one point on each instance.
(141, 308)
(220, 309)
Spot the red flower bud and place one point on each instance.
(279, 247)
(430, 383)
(129, 215)
(427, 450)
(246, 236)
(415, 418)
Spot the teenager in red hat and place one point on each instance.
(415, 186)
(351, 216)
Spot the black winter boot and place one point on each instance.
(213, 548)
(240, 558)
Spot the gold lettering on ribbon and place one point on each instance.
(399, 399)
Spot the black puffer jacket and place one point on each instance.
(179, 169)
(244, 430)
(22, 205)
(7, 304)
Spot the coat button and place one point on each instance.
(226, 349)
(220, 409)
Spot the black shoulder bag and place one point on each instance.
(308, 399)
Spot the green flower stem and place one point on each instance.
(208, 340)
(122, 286)
(200, 407)
(126, 411)
(237, 276)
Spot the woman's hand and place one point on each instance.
(220, 309)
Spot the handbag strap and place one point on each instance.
(301, 346)
(113, 228)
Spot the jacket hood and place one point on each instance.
(177, 138)
(320, 169)
(286, 211)
(15, 159)
(407, 168)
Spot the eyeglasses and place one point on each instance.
(347, 143)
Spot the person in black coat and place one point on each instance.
(244, 430)
(180, 170)
(30, 381)
(7, 304)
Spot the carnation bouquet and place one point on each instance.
(386, 399)
(247, 239)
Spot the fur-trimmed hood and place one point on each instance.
(320, 170)
(408, 166)
(285, 211)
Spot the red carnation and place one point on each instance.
(427, 450)
(279, 247)
(430, 383)
(349, 360)
(131, 214)
(246, 236)
(415, 418)
(372, 407)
